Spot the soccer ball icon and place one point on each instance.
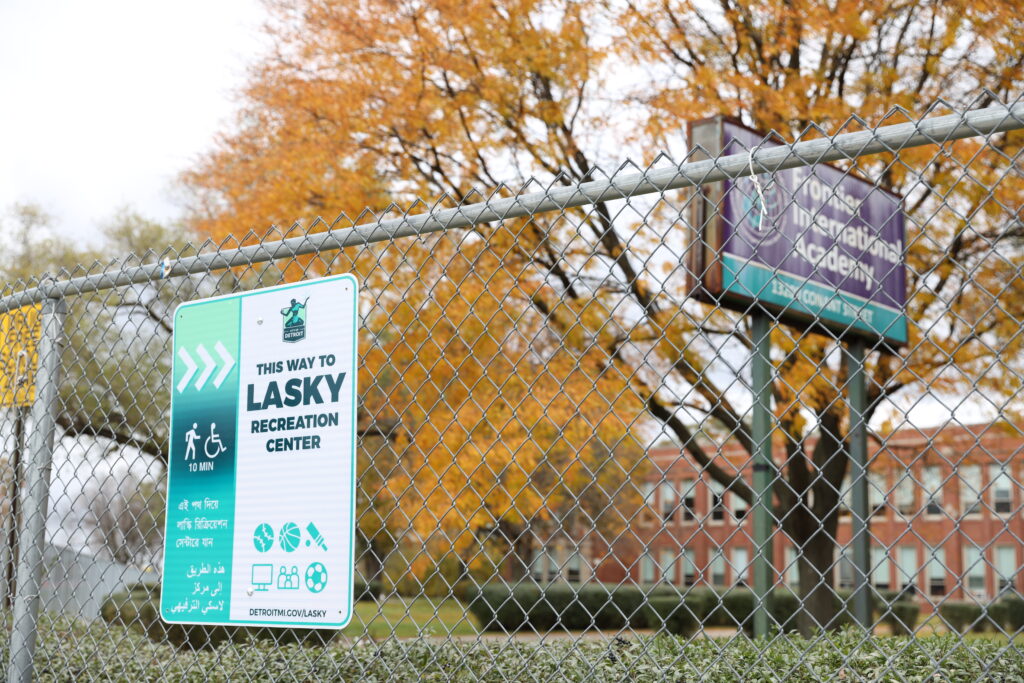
(316, 577)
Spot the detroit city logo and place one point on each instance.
(294, 319)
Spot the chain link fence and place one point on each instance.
(576, 459)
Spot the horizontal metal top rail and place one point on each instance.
(994, 119)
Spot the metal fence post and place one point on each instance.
(859, 481)
(761, 377)
(35, 492)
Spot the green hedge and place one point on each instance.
(501, 607)
(562, 606)
(670, 615)
(1009, 613)
(366, 591)
(901, 616)
(961, 616)
(68, 651)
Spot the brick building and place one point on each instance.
(946, 519)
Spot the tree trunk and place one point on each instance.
(374, 560)
(815, 562)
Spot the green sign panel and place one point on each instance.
(261, 476)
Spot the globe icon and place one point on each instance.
(263, 537)
(316, 577)
(290, 537)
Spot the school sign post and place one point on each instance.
(261, 473)
(813, 247)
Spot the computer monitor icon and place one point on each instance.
(262, 576)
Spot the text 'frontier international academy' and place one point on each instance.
(840, 232)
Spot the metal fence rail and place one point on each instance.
(556, 441)
(845, 146)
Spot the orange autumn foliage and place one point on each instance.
(505, 350)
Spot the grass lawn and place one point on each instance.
(409, 617)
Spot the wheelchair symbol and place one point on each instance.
(213, 440)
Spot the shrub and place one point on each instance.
(783, 606)
(959, 615)
(882, 598)
(997, 614)
(671, 615)
(365, 591)
(901, 617)
(500, 607)
(701, 601)
(1014, 612)
(497, 609)
(69, 650)
(735, 608)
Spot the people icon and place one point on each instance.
(288, 579)
(191, 436)
(213, 439)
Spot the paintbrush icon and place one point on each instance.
(315, 534)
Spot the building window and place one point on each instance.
(845, 497)
(717, 565)
(573, 568)
(905, 503)
(846, 570)
(1006, 567)
(554, 566)
(538, 566)
(667, 494)
(739, 507)
(717, 495)
(791, 574)
(647, 501)
(936, 572)
(880, 568)
(1002, 501)
(544, 566)
(646, 568)
(931, 478)
(668, 565)
(740, 565)
(876, 493)
(970, 489)
(974, 572)
(688, 499)
(906, 563)
(689, 568)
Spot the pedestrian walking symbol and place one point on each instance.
(190, 442)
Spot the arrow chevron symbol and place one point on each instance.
(208, 366)
(190, 369)
(228, 361)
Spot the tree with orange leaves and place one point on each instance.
(364, 104)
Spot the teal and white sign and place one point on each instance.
(261, 477)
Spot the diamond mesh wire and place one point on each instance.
(556, 439)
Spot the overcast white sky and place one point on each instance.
(103, 103)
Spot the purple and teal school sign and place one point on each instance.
(814, 245)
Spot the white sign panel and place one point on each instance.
(261, 490)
